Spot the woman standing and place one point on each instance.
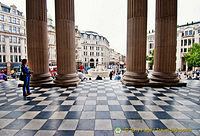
(26, 77)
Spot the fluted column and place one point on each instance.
(165, 42)
(65, 43)
(136, 43)
(37, 42)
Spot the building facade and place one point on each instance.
(187, 35)
(12, 35)
(150, 48)
(51, 41)
(91, 48)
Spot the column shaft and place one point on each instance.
(165, 41)
(65, 42)
(37, 42)
(136, 42)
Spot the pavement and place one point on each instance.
(97, 108)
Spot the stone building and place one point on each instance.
(12, 36)
(90, 47)
(51, 41)
(165, 50)
(187, 34)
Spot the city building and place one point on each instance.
(51, 41)
(187, 34)
(12, 36)
(91, 48)
(150, 48)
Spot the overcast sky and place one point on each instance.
(108, 17)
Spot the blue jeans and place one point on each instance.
(26, 85)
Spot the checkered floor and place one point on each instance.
(97, 108)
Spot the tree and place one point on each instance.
(151, 59)
(193, 56)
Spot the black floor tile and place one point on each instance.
(73, 115)
(102, 115)
(51, 124)
(64, 133)
(162, 115)
(44, 115)
(122, 123)
(154, 124)
(132, 115)
(85, 124)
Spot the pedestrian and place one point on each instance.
(111, 74)
(99, 78)
(26, 77)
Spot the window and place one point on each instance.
(14, 20)
(181, 42)
(10, 29)
(19, 40)
(4, 50)
(18, 21)
(13, 11)
(2, 17)
(3, 38)
(199, 31)
(10, 39)
(16, 58)
(97, 54)
(91, 48)
(193, 41)
(19, 49)
(20, 58)
(181, 50)
(10, 19)
(5, 9)
(185, 42)
(189, 41)
(0, 59)
(85, 53)
(11, 49)
(14, 29)
(85, 59)
(11, 58)
(15, 49)
(101, 54)
(85, 47)
(186, 33)
(14, 39)
(2, 27)
(91, 53)
(4, 58)
(97, 48)
(150, 46)
(0, 48)
(190, 32)
(185, 49)
(182, 34)
(101, 49)
(18, 30)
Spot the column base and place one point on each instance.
(164, 77)
(41, 78)
(130, 78)
(67, 80)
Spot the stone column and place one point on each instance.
(165, 42)
(65, 43)
(136, 43)
(37, 42)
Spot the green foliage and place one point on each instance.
(151, 59)
(193, 56)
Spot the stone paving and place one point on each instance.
(98, 108)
